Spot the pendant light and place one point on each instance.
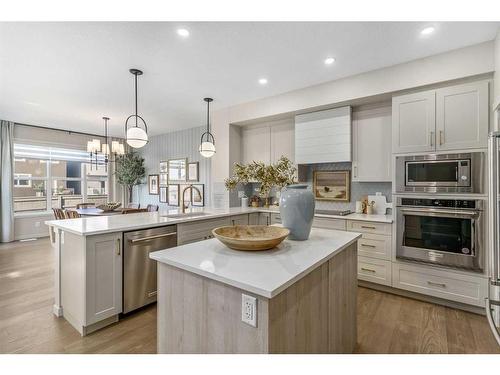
(207, 143)
(136, 136)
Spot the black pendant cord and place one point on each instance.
(208, 116)
(136, 124)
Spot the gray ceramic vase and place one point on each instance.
(297, 211)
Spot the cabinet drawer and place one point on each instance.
(275, 218)
(369, 227)
(375, 246)
(327, 223)
(374, 270)
(438, 283)
(198, 230)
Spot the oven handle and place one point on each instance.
(441, 212)
(494, 245)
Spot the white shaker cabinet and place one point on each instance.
(462, 116)
(371, 160)
(103, 277)
(414, 122)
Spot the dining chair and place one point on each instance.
(59, 213)
(71, 214)
(152, 208)
(85, 205)
(134, 205)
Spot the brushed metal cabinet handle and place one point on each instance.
(441, 285)
(118, 247)
(367, 227)
(441, 137)
(368, 270)
(367, 245)
(432, 139)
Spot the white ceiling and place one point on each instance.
(68, 75)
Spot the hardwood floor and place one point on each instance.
(386, 323)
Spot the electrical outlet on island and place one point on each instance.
(249, 310)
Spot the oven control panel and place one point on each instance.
(448, 203)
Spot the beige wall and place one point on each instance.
(458, 64)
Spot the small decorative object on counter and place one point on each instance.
(244, 201)
(110, 206)
(369, 207)
(297, 210)
(255, 201)
(359, 207)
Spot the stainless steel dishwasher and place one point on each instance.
(139, 271)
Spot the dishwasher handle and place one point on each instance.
(135, 240)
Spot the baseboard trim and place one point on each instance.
(423, 297)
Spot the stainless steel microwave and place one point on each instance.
(441, 173)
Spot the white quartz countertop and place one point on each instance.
(265, 273)
(88, 226)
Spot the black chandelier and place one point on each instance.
(136, 136)
(207, 143)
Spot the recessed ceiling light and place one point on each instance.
(263, 81)
(427, 30)
(329, 60)
(183, 32)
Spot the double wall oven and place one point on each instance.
(432, 226)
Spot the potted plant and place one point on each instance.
(130, 171)
(279, 175)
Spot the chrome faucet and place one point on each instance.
(190, 200)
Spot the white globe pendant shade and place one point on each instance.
(136, 137)
(207, 149)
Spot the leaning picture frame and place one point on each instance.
(198, 195)
(153, 180)
(173, 195)
(332, 186)
(163, 194)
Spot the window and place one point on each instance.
(48, 177)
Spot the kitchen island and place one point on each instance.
(305, 297)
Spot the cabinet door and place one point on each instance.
(239, 219)
(372, 145)
(103, 277)
(462, 116)
(264, 218)
(414, 122)
(283, 141)
(256, 144)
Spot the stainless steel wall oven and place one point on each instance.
(444, 232)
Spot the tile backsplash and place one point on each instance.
(358, 189)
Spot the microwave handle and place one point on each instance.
(493, 207)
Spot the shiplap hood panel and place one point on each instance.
(323, 137)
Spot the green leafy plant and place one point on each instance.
(279, 174)
(130, 171)
(39, 188)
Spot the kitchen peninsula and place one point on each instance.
(90, 254)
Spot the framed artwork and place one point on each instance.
(153, 184)
(332, 185)
(177, 170)
(173, 195)
(163, 179)
(163, 194)
(198, 195)
(164, 166)
(192, 171)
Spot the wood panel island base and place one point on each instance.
(305, 293)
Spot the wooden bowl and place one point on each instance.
(251, 237)
(107, 207)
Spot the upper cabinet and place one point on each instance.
(267, 143)
(371, 130)
(414, 122)
(323, 137)
(451, 118)
(462, 116)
